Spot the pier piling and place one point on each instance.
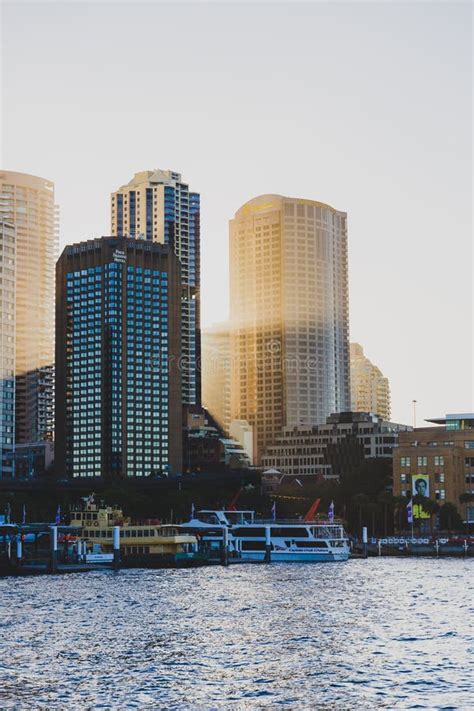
(53, 552)
(225, 547)
(364, 541)
(19, 549)
(268, 545)
(116, 547)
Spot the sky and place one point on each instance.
(364, 105)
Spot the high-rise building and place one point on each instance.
(289, 315)
(157, 206)
(215, 372)
(27, 204)
(370, 389)
(118, 381)
(7, 347)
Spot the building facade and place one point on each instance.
(323, 450)
(438, 462)
(29, 254)
(370, 390)
(215, 372)
(157, 206)
(7, 352)
(118, 381)
(289, 315)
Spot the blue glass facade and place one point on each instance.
(84, 297)
(120, 332)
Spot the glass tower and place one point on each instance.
(7, 346)
(27, 205)
(117, 349)
(156, 206)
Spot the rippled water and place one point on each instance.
(380, 633)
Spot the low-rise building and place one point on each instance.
(324, 450)
(207, 448)
(438, 462)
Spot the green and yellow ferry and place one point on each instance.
(148, 544)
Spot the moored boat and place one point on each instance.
(279, 540)
(142, 545)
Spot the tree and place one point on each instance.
(449, 517)
(464, 499)
(388, 502)
(401, 503)
(360, 502)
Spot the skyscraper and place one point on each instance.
(157, 206)
(118, 383)
(215, 372)
(7, 350)
(27, 204)
(289, 315)
(370, 390)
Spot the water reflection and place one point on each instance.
(366, 634)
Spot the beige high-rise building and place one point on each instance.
(289, 315)
(215, 372)
(370, 389)
(27, 204)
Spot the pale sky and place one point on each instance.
(365, 106)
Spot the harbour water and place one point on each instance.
(367, 634)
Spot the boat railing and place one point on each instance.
(295, 522)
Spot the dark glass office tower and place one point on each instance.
(118, 381)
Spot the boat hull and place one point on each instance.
(298, 556)
(161, 560)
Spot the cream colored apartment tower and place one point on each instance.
(157, 206)
(27, 204)
(370, 389)
(289, 315)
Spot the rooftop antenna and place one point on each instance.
(414, 413)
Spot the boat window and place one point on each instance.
(284, 531)
(253, 545)
(127, 533)
(311, 544)
(140, 533)
(249, 532)
(103, 534)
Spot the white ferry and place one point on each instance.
(280, 540)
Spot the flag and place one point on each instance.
(23, 518)
(90, 500)
(331, 512)
(57, 520)
(410, 511)
(192, 511)
(312, 510)
(274, 511)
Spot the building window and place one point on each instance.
(439, 461)
(405, 461)
(422, 461)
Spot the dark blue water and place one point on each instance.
(368, 634)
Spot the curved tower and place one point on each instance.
(289, 315)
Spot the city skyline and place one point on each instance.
(385, 149)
